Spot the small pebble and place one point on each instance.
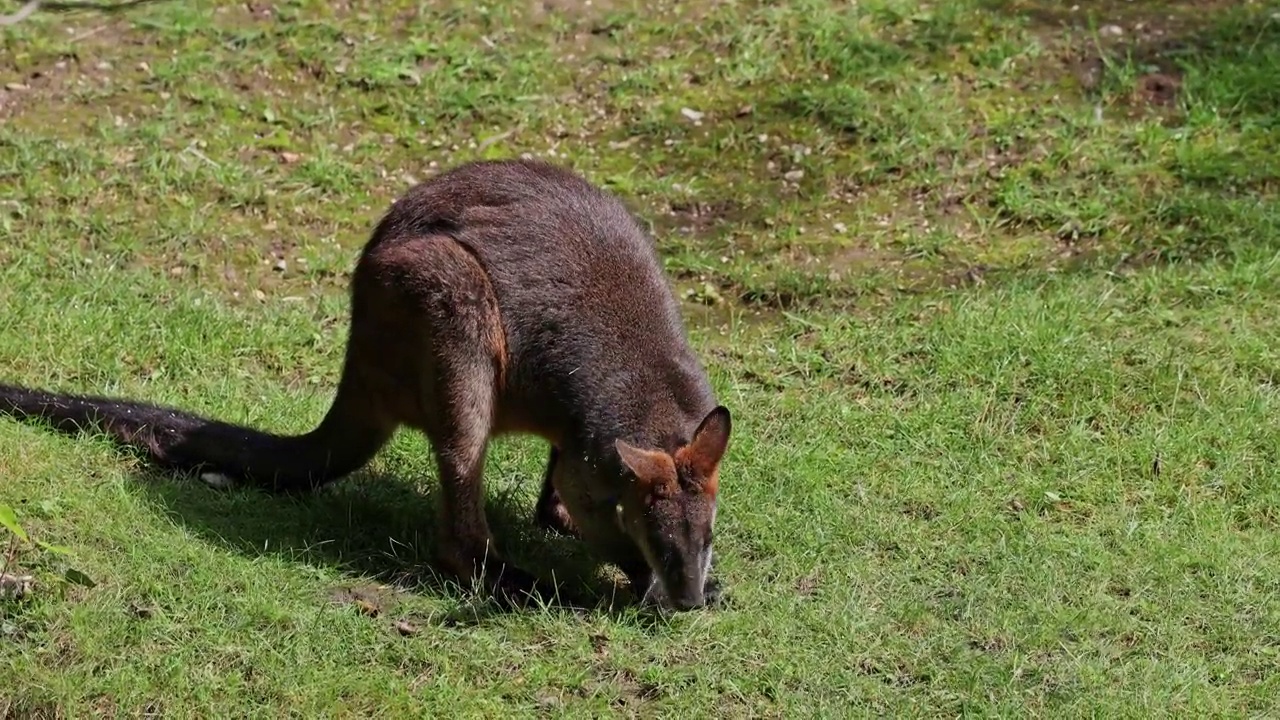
(693, 115)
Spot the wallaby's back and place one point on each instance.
(592, 329)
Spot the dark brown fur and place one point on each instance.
(499, 297)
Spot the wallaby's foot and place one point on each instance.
(510, 586)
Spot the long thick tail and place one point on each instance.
(350, 434)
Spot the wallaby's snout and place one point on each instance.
(674, 588)
(687, 592)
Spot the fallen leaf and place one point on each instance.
(9, 520)
(75, 576)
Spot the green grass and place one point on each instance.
(993, 307)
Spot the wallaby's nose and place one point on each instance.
(688, 601)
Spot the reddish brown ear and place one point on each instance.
(710, 441)
(652, 467)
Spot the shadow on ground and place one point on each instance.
(374, 526)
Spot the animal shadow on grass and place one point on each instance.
(371, 525)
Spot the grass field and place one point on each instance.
(990, 287)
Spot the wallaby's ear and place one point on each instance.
(653, 468)
(710, 441)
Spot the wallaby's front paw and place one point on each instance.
(555, 517)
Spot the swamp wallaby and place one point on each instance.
(498, 297)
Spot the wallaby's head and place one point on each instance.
(669, 509)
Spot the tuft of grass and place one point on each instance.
(988, 285)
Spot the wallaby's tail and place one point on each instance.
(350, 434)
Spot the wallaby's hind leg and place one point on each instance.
(441, 292)
(466, 544)
(550, 512)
